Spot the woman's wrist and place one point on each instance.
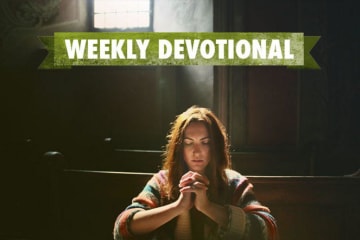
(205, 207)
(177, 207)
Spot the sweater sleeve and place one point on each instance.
(248, 219)
(148, 198)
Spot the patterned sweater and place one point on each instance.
(248, 219)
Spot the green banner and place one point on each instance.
(67, 49)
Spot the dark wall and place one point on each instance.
(280, 121)
(300, 121)
(341, 65)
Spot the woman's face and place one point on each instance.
(196, 147)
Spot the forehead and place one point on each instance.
(196, 129)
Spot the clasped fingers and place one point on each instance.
(195, 187)
(189, 178)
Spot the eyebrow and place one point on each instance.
(200, 138)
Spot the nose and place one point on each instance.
(196, 149)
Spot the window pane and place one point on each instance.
(122, 14)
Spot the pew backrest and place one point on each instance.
(305, 207)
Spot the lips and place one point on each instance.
(197, 161)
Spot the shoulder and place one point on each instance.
(240, 187)
(232, 174)
(161, 177)
(235, 178)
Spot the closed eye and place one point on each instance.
(205, 141)
(188, 142)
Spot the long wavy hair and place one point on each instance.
(173, 160)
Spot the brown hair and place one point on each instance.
(219, 152)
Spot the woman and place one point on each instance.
(196, 195)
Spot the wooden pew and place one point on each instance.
(305, 207)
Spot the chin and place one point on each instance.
(198, 170)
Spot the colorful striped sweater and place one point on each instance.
(248, 219)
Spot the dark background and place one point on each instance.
(281, 122)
